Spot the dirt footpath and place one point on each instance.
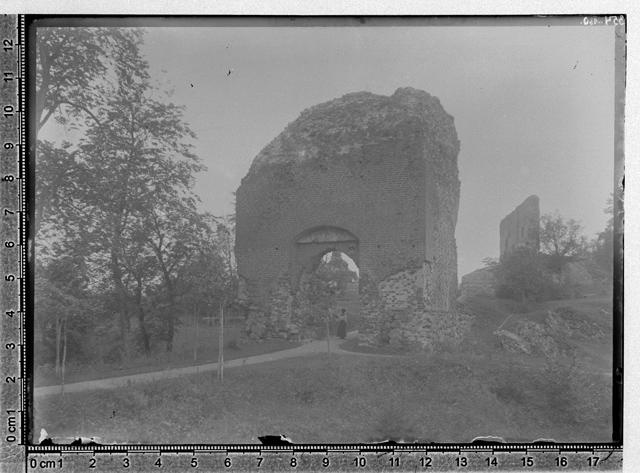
(311, 348)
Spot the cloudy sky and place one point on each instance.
(533, 105)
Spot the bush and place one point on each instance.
(523, 276)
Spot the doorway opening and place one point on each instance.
(341, 274)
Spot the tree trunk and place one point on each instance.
(169, 320)
(328, 334)
(143, 331)
(170, 330)
(328, 324)
(64, 353)
(141, 315)
(195, 344)
(221, 345)
(123, 319)
(58, 344)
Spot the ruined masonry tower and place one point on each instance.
(375, 177)
(521, 228)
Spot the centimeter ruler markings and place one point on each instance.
(13, 242)
(325, 458)
(24, 246)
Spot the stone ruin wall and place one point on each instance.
(521, 228)
(385, 170)
(480, 282)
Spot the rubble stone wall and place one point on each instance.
(404, 320)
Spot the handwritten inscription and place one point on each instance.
(611, 20)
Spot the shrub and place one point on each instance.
(523, 275)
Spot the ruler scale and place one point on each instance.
(13, 242)
(508, 457)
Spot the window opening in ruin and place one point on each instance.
(341, 275)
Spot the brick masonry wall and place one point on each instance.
(382, 168)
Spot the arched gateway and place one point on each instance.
(376, 178)
(311, 245)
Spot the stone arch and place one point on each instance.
(312, 244)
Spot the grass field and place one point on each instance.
(452, 396)
(192, 346)
(333, 398)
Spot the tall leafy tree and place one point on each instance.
(176, 232)
(561, 240)
(59, 173)
(123, 191)
(72, 66)
(140, 272)
(62, 303)
(135, 165)
(207, 281)
(71, 63)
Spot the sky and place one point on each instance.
(533, 105)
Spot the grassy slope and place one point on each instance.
(326, 399)
(491, 313)
(449, 397)
(205, 337)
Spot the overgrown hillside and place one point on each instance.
(481, 389)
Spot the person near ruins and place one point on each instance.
(342, 324)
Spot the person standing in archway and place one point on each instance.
(342, 324)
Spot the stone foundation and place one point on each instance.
(399, 314)
(431, 330)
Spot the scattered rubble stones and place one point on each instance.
(571, 322)
(548, 338)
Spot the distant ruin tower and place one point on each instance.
(521, 228)
(372, 176)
